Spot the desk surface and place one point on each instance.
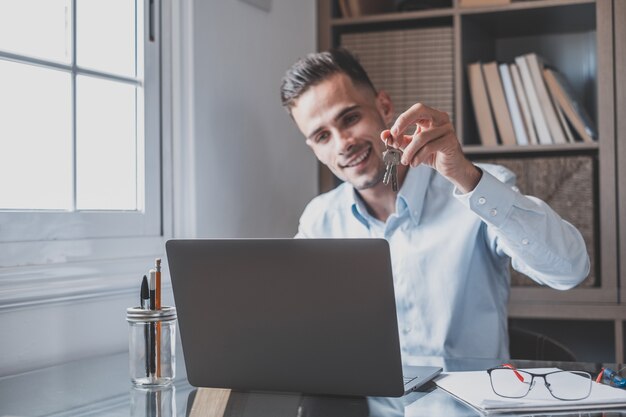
(101, 387)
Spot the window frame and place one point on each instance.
(39, 232)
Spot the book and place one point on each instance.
(498, 103)
(512, 102)
(535, 66)
(574, 112)
(543, 134)
(561, 117)
(523, 104)
(480, 101)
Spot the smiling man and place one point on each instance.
(453, 227)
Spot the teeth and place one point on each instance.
(359, 159)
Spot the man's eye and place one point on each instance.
(322, 137)
(352, 119)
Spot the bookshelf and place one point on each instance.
(583, 40)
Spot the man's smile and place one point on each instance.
(358, 157)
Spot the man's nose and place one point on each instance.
(345, 142)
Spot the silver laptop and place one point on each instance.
(315, 316)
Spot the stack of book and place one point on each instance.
(412, 65)
(526, 103)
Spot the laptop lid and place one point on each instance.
(306, 315)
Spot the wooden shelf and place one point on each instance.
(521, 5)
(546, 150)
(450, 12)
(582, 39)
(392, 17)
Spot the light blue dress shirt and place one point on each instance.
(450, 255)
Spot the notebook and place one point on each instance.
(316, 316)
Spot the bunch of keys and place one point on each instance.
(391, 159)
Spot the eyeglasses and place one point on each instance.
(506, 381)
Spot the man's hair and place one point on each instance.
(317, 67)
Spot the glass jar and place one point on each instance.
(152, 345)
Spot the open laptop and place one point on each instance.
(316, 316)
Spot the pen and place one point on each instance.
(152, 285)
(158, 283)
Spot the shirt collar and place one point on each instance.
(411, 195)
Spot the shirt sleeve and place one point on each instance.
(539, 242)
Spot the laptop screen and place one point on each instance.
(304, 315)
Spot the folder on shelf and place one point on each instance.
(474, 388)
(523, 105)
(573, 111)
(512, 102)
(480, 100)
(498, 103)
(543, 133)
(535, 66)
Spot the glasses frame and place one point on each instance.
(532, 380)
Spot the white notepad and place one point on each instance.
(475, 389)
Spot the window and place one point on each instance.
(79, 120)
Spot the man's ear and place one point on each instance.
(385, 107)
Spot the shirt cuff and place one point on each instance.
(492, 199)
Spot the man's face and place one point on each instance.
(342, 124)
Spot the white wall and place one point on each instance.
(254, 173)
(253, 176)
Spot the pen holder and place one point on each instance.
(151, 345)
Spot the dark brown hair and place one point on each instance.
(317, 67)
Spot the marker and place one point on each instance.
(145, 304)
(145, 294)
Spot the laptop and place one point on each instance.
(315, 316)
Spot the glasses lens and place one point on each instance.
(569, 385)
(510, 383)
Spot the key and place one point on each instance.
(391, 159)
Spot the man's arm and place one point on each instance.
(541, 244)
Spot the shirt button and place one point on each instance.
(406, 330)
(482, 200)
(514, 188)
(493, 212)
(525, 241)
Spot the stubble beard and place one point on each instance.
(376, 179)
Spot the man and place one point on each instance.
(453, 227)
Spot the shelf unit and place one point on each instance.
(585, 40)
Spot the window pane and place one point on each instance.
(106, 36)
(106, 145)
(35, 138)
(38, 28)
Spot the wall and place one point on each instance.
(254, 173)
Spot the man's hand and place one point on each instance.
(434, 143)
